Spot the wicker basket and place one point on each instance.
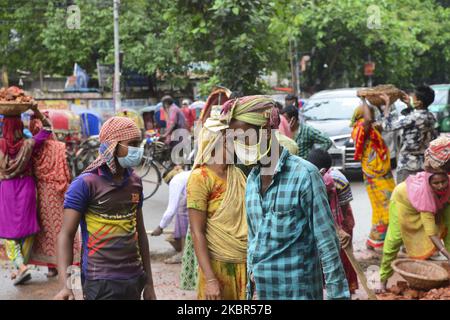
(373, 94)
(423, 275)
(13, 109)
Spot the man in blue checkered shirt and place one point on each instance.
(292, 240)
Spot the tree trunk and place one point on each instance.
(5, 81)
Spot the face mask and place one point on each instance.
(250, 155)
(441, 193)
(133, 158)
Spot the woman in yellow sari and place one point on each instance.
(216, 203)
(417, 210)
(373, 153)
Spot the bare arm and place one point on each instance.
(367, 114)
(149, 291)
(438, 244)
(40, 116)
(65, 251)
(197, 220)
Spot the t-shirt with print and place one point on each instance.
(110, 247)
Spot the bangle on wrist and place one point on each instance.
(212, 280)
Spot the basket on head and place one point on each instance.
(421, 274)
(373, 95)
(13, 109)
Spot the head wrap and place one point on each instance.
(13, 139)
(114, 130)
(217, 98)
(437, 154)
(422, 196)
(15, 151)
(254, 110)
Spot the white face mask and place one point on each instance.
(250, 155)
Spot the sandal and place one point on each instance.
(52, 272)
(22, 278)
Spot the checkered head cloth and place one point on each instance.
(114, 130)
(437, 154)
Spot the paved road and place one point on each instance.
(155, 206)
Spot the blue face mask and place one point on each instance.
(133, 158)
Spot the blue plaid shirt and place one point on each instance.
(291, 234)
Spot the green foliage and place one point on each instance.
(411, 34)
(241, 40)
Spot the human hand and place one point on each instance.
(213, 291)
(386, 99)
(405, 98)
(64, 294)
(157, 232)
(149, 292)
(344, 238)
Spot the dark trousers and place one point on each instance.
(130, 289)
(404, 173)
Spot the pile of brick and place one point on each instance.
(14, 94)
(401, 291)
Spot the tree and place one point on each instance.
(341, 34)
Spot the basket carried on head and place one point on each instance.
(373, 95)
(13, 109)
(421, 274)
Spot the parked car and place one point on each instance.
(441, 106)
(330, 111)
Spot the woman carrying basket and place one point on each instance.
(18, 214)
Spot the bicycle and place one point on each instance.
(156, 158)
(79, 157)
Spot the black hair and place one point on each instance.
(320, 158)
(278, 105)
(291, 112)
(424, 94)
(292, 97)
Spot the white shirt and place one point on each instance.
(177, 198)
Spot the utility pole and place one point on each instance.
(116, 93)
(294, 65)
(297, 69)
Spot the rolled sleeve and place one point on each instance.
(40, 138)
(321, 139)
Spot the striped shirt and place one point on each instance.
(307, 137)
(292, 234)
(342, 187)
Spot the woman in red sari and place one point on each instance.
(52, 180)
